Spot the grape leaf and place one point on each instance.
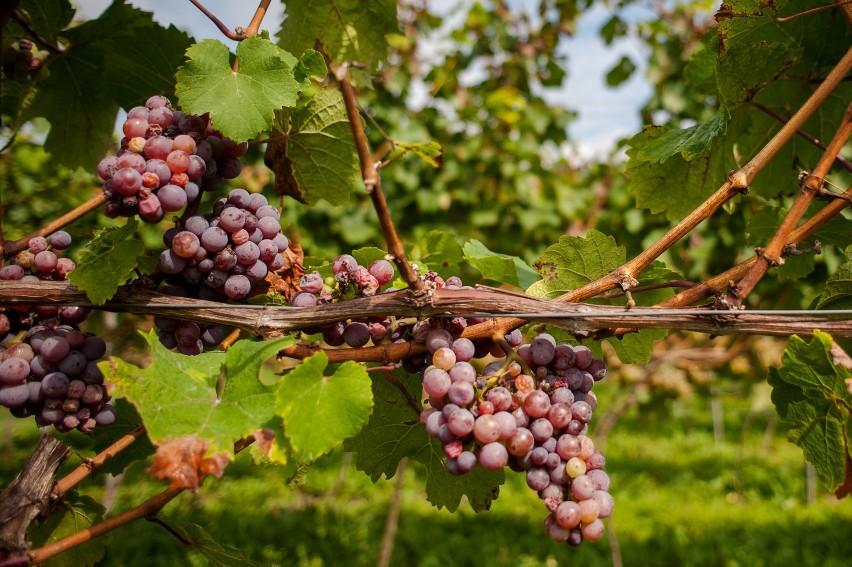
(636, 348)
(367, 255)
(321, 411)
(690, 142)
(216, 554)
(312, 151)
(430, 152)
(394, 431)
(499, 267)
(241, 103)
(443, 490)
(745, 68)
(575, 261)
(620, 72)
(837, 293)
(810, 392)
(349, 30)
(310, 66)
(81, 95)
(48, 17)
(78, 106)
(176, 395)
(137, 70)
(107, 261)
(440, 251)
(73, 514)
(676, 186)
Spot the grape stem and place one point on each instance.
(42, 42)
(737, 183)
(89, 466)
(771, 255)
(219, 24)
(147, 509)
(12, 248)
(843, 162)
(372, 182)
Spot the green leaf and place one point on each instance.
(367, 255)
(676, 186)
(78, 106)
(499, 267)
(107, 261)
(620, 72)
(810, 392)
(430, 152)
(73, 514)
(312, 151)
(310, 66)
(48, 17)
(443, 490)
(216, 554)
(241, 103)
(575, 261)
(837, 293)
(745, 68)
(137, 69)
(321, 411)
(636, 348)
(176, 395)
(349, 30)
(440, 251)
(394, 431)
(690, 143)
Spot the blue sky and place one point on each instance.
(604, 114)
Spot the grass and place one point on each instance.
(681, 499)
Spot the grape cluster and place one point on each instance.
(42, 260)
(48, 367)
(350, 280)
(529, 412)
(166, 158)
(230, 250)
(21, 60)
(52, 374)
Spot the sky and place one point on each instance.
(604, 114)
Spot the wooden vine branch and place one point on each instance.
(373, 182)
(28, 495)
(716, 284)
(12, 248)
(216, 21)
(89, 466)
(271, 321)
(147, 508)
(771, 255)
(737, 182)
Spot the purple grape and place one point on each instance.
(237, 287)
(356, 334)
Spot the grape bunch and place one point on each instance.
(20, 59)
(230, 250)
(42, 259)
(48, 367)
(165, 160)
(52, 374)
(350, 280)
(529, 412)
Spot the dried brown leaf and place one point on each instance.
(182, 461)
(286, 280)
